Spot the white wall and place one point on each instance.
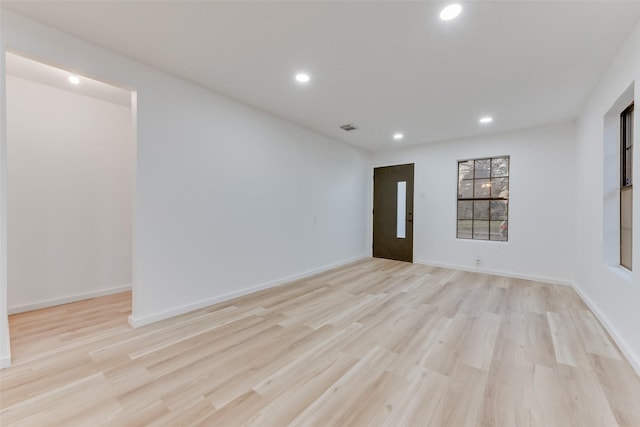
(69, 195)
(541, 203)
(228, 198)
(5, 345)
(613, 293)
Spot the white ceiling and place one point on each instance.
(38, 72)
(384, 66)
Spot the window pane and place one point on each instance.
(481, 230)
(628, 164)
(482, 189)
(626, 211)
(483, 168)
(626, 144)
(465, 209)
(499, 230)
(465, 190)
(464, 229)
(465, 170)
(500, 188)
(500, 167)
(629, 129)
(483, 193)
(401, 210)
(481, 209)
(626, 192)
(499, 209)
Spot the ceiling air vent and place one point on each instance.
(348, 127)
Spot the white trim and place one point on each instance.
(66, 300)
(136, 322)
(621, 272)
(498, 273)
(631, 356)
(5, 362)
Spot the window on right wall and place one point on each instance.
(483, 199)
(626, 186)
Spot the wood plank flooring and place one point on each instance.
(377, 342)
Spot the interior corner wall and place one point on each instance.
(541, 203)
(5, 345)
(228, 199)
(612, 293)
(69, 196)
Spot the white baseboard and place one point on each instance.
(5, 362)
(497, 273)
(632, 357)
(136, 322)
(66, 300)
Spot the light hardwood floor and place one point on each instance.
(374, 343)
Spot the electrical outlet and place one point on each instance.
(478, 260)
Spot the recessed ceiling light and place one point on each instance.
(450, 12)
(302, 77)
(398, 136)
(485, 120)
(74, 80)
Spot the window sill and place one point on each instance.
(621, 272)
(461, 239)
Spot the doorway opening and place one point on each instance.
(393, 212)
(70, 181)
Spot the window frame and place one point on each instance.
(490, 199)
(626, 177)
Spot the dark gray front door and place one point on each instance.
(393, 212)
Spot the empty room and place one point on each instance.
(319, 213)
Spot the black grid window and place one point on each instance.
(483, 199)
(626, 186)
